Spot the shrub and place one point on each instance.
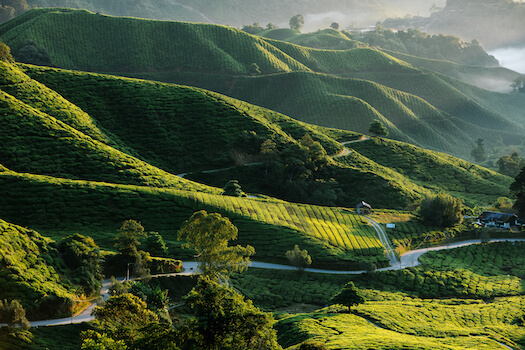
(441, 210)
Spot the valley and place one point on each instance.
(236, 184)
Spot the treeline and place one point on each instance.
(9, 9)
(415, 42)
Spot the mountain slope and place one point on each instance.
(219, 58)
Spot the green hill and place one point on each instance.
(427, 109)
(147, 127)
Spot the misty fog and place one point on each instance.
(511, 57)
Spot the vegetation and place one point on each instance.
(349, 296)
(377, 128)
(427, 123)
(441, 210)
(209, 235)
(440, 47)
(518, 189)
(478, 152)
(299, 258)
(297, 22)
(224, 320)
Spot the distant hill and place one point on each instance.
(239, 12)
(426, 109)
(495, 23)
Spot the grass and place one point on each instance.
(349, 331)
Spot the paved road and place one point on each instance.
(383, 237)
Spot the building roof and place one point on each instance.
(363, 204)
(495, 216)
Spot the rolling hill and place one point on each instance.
(78, 159)
(344, 89)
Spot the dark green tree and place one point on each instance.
(271, 26)
(82, 256)
(334, 25)
(377, 128)
(224, 320)
(128, 238)
(253, 28)
(232, 188)
(297, 22)
(478, 152)
(510, 165)
(441, 210)
(517, 188)
(299, 258)
(12, 313)
(121, 318)
(518, 85)
(30, 52)
(349, 296)
(209, 235)
(155, 245)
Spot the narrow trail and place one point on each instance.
(383, 237)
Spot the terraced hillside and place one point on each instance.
(57, 207)
(419, 107)
(171, 131)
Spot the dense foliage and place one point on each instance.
(441, 210)
(416, 43)
(209, 235)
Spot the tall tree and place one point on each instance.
(297, 22)
(232, 188)
(128, 238)
(12, 313)
(209, 235)
(518, 189)
(478, 152)
(349, 296)
(224, 320)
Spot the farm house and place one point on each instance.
(363, 208)
(499, 220)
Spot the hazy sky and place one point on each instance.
(512, 58)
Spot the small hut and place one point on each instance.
(363, 208)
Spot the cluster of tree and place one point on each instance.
(377, 128)
(416, 43)
(13, 314)
(135, 317)
(9, 9)
(511, 165)
(5, 53)
(441, 210)
(30, 52)
(517, 188)
(83, 259)
(130, 236)
(299, 258)
(255, 28)
(518, 85)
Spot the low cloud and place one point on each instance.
(511, 58)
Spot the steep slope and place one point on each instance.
(27, 272)
(39, 135)
(161, 135)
